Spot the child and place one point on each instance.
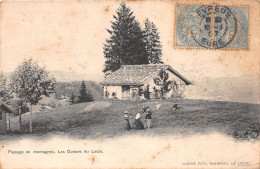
(127, 124)
(148, 116)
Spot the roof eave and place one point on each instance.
(9, 110)
(186, 81)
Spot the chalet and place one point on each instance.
(4, 109)
(129, 80)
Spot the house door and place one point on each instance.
(125, 92)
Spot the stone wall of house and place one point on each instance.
(173, 77)
(109, 90)
(134, 90)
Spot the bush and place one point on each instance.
(59, 105)
(52, 104)
(42, 108)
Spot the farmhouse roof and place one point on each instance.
(138, 74)
(5, 107)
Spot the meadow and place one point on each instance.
(104, 119)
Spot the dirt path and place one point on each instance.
(97, 106)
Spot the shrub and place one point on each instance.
(52, 104)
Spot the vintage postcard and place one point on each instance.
(129, 84)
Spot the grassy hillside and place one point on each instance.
(105, 119)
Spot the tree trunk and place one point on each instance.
(8, 121)
(20, 118)
(31, 120)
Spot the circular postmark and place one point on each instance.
(215, 28)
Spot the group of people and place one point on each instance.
(138, 125)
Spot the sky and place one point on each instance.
(69, 36)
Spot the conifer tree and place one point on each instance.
(126, 43)
(153, 45)
(72, 98)
(84, 95)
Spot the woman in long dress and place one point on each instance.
(138, 123)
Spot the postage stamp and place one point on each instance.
(212, 26)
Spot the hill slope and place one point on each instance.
(240, 121)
